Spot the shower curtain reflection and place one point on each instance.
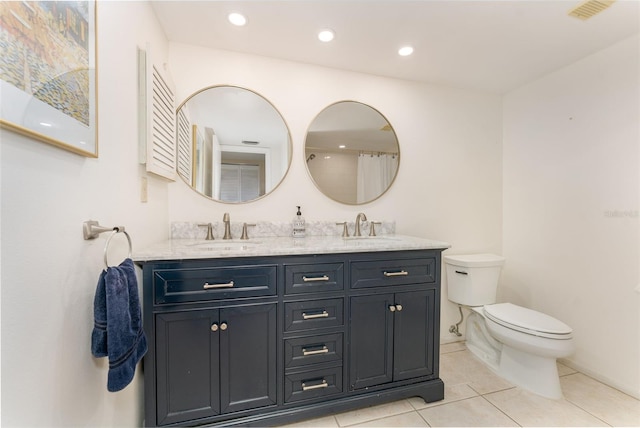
(375, 174)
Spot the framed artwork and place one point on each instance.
(48, 81)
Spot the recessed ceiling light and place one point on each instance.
(342, 146)
(405, 51)
(237, 19)
(326, 35)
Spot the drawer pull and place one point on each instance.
(399, 273)
(323, 350)
(315, 278)
(323, 314)
(462, 272)
(322, 384)
(208, 286)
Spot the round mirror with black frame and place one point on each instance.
(233, 144)
(352, 153)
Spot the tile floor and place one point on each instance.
(475, 396)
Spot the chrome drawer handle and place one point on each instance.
(323, 314)
(323, 350)
(400, 273)
(324, 384)
(315, 278)
(208, 286)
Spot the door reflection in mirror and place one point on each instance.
(352, 153)
(233, 145)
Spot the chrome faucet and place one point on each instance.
(359, 218)
(227, 226)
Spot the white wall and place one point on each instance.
(449, 184)
(49, 273)
(571, 197)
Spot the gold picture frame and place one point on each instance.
(49, 72)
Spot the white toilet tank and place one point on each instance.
(472, 280)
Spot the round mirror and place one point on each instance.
(233, 145)
(352, 153)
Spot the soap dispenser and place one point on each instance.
(298, 225)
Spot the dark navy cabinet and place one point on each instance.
(392, 337)
(271, 340)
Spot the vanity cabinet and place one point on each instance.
(268, 340)
(214, 361)
(392, 337)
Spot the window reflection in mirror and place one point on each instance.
(352, 153)
(233, 145)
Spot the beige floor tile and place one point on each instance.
(451, 394)
(564, 370)
(472, 412)
(325, 421)
(372, 413)
(452, 347)
(602, 401)
(410, 419)
(463, 367)
(528, 409)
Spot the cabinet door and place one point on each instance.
(371, 340)
(414, 326)
(247, 357)
(187, 374)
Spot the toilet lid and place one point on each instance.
(527, 320)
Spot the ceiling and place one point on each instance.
(486, 45)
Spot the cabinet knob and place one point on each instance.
(214, 327)
(398, 307)
(392, 308)
(223, 326)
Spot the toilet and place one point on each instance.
(519, 344)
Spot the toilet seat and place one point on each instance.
(527, 321)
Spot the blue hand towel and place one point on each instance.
(117, 331)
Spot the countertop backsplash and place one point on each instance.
(263, 229)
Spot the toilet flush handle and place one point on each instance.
(462, 272)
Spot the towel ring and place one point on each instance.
(114, 233)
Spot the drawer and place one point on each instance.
(197, 284)
(313, 384)
(314, 278)
(381, 273)
(311, 314)
(302, 351)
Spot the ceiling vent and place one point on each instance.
(590, 8)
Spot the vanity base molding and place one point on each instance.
(270, 340)
(429, 391)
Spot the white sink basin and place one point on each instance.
(223, 245)
(369, 238)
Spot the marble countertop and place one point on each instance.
(185, 249)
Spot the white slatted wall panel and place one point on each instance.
(158, 118)
(161, 152)
(185, 149)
